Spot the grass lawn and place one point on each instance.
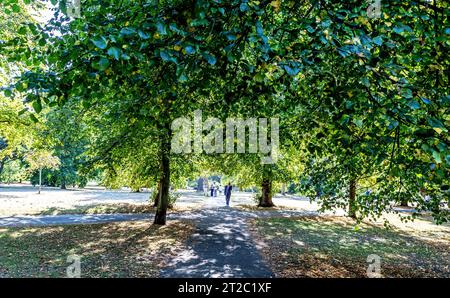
(332, 247)
(126, 249)
(101, 209)
(109, 208)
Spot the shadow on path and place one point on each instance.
(220, 247)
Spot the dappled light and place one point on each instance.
(337, 247)
(131, 249)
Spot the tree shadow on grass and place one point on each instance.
(325, 248)
(127, 249)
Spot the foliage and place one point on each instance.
(363, 102)
(42, 159)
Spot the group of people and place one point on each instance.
(214, 188)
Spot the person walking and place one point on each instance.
(212, 189)
(227, 193)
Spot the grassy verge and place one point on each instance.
(126, 249)
(332, 247)
(100, 209)
(103, 209)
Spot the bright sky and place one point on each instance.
(44, 15)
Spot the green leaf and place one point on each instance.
(16, 8)
(100, 42)
(243, 7)
(37, 106)
(143, 35)
(436, 124)
(103, 64)
(425, 100)
(398, 29)
(127, 31)
(167, 56)
(210, 58)
(231, 36)
(23, 111)
(358, 122)
(189, 50)
(259, 77)
(22, 30)
(378, 40)
(7, 92)
(33, 118)
(161, 28)
(437, 156)
(310, 29)
(114, 52)
(344, 119)
(365, 81)
(414, 105)
(407, 93)
(292, 71)
(182, 78)
(124, 56)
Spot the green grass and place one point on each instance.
(101, 209)
(334, 247)
(127, 249)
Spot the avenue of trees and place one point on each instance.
(362, 100)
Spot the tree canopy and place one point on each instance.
(362, 100)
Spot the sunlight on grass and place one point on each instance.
(310, 242)
(123, 249)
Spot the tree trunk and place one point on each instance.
(352, 199)
(163, 201)
(155, 203)
(266, 187)
(63, 184)
(2, 164)
(404, 202)
(40, 181)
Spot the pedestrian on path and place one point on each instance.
(212, 190)
(227, 192)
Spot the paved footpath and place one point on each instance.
(220, 246)
(47, 220)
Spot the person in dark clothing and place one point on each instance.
(227, 193)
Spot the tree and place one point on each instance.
(39, 160)
(154, 58)
(353, 93)
(378, 111)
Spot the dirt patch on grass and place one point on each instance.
(336, 247)
(126, 249)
